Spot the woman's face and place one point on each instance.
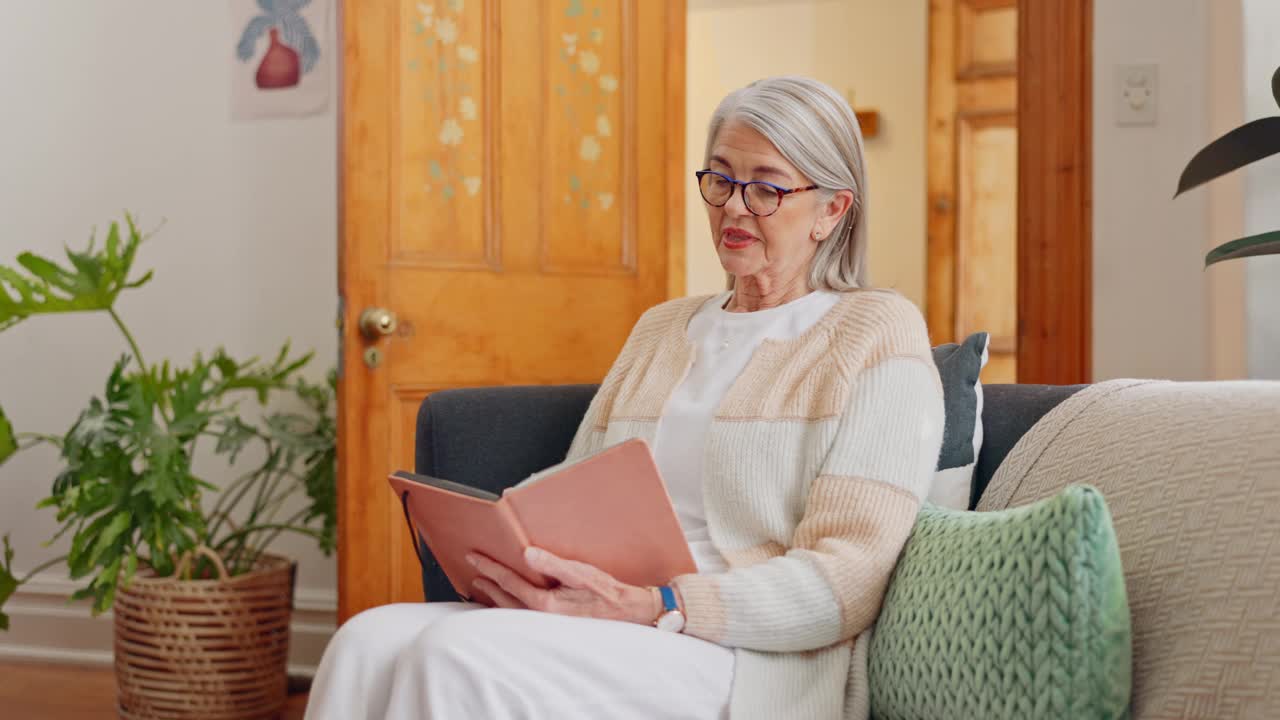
(772, 251)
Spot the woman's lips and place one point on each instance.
(735, 239)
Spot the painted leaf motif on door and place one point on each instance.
(445, 136)
(588, 62)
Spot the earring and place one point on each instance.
(817, 235)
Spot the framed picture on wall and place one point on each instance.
(280, 58)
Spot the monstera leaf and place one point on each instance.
(92, 281)
(1246, 144)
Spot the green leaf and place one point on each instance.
(1267, 243)
(8, 443)
(1246, 144)
(90, 271)
(113, 243)
(119, 523)
(226, 366)
(234, 436)
(78, 560)
(265, 378)
(8, 583)
(26, 291)
(47, 271)
(105, 586)
(92, 282)
(146, 278)
(130, 566)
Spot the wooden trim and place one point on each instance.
(677, 14)
(978, 71)
(1055, 213)
(1002, 344)
(940, 200)
(990, 4)
(364, 141)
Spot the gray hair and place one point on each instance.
(816, 131)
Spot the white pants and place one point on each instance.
(458, 661)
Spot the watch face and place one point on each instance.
(671, 621)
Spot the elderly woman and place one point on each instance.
(796, 419)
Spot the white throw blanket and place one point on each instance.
(1191, 474)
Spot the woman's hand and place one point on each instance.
(584, 590)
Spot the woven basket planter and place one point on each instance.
(210, 649)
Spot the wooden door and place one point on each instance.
(1055, 192)
(512, 190)
(973, 177)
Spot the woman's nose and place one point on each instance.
(737, 205)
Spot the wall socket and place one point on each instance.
(1137, 92)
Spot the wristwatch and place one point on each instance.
(669, 619)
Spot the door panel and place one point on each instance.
(972, 177)
(496, 198)
(986, 232)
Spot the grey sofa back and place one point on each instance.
(493, 437)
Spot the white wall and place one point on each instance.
(1150, 293)
(106, 107)
(1262, 188)
(1157, 311)
(876, 49)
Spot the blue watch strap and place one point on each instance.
(668, 598)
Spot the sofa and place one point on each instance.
(1190, 471)
(493, 437)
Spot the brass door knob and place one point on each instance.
(376, 322)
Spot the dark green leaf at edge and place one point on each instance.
(1267, 243)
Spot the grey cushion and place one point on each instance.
(959, 366)
(1008, 412)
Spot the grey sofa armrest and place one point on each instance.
(492, 438)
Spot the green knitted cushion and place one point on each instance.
(1019, 613)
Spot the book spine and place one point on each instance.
(512, 518)
(513, 521)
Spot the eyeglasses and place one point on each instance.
(760, 197)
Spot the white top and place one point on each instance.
(723, 343)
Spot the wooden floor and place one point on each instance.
(72, 692)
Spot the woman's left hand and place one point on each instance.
(584, 590)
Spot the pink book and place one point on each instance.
(610, 510)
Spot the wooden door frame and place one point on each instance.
(1055, 191)
(363, 226)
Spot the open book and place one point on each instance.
(610, 510)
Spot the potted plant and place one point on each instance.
(201, 609)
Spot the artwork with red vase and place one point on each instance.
(292, 50)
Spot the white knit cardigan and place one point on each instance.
(816, 463)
